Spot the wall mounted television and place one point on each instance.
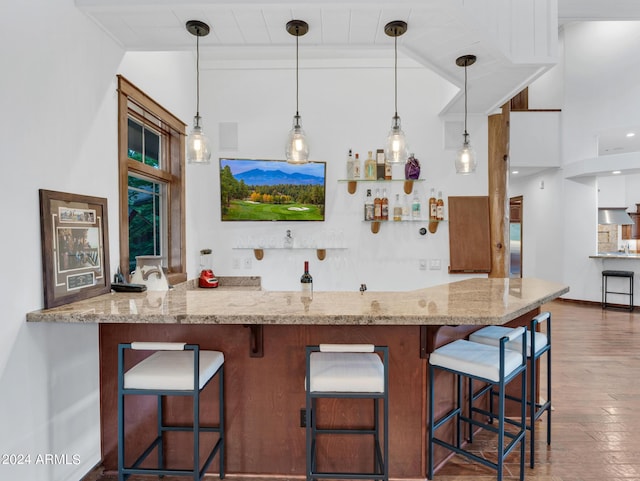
(272, 190)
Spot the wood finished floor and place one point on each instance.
(596, 417)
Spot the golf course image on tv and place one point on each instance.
(271, 190)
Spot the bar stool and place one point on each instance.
(605, 288)
(496, 366)
(348, 371)
(174, 369)
(539, 344)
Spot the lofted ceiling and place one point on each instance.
(251, 33)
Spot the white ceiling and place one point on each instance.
(252, 32)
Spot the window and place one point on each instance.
(151, 166)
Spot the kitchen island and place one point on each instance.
(263, 334)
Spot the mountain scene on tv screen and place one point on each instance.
(254, 190)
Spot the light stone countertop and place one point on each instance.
(615, 255)
(477, 301)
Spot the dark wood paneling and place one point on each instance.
(469, 238)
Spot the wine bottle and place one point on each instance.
(397, 209)
(384, 201)
(368, 206)
(440, 207)
(306, 282)
(350, 165)
(377, 206)
(433, 212)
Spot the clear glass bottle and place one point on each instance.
(415, 207)
(370, 167)
(433, 212)
(397, 209)
(377, 206)
(384, 201)
(350, 165)
(368, 206)
(440, 207)
(357, 167)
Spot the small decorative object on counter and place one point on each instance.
(150, 273)
(412, 168)
(288, 240)
(306, 282)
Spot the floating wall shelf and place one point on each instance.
(321, 253)
(352, 185)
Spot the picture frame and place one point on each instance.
(75, 251)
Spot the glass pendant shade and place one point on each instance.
(198, 151)
(297, 148)
(396, 150)
(466, 158)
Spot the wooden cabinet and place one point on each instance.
(469, 234)
(632, 231)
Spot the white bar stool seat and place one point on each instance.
(174, 369)
(495, 366)
(539, 343)
(357, 371)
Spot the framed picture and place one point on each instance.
(271, 190)
(75, 254)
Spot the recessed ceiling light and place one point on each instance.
(615, 172)
(515, 172)
(631, 134)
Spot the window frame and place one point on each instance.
(172, 172)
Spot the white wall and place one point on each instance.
(340, 109)
(59, 132)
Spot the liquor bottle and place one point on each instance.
(380, 165)
(370, 167)
(350, 166)
(385, 205)
(433, 213)
(356, 167)
(415, 207)
(377, 206)
(397, 209)
(440, 207)
(406, 208)
(306, 282)
(368, 206)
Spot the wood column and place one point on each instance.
(498, 192)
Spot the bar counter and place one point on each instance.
(263, 334)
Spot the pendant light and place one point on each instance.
(297, 148)
(198, 151)
(396, 147)
(466, 157)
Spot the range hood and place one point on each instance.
(614, 215)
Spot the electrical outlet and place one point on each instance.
(303, 418)
(247, 262)
(422, 264)
(434, 264)
(235, 263)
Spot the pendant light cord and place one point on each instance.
(465, 100)
(395, 68)
(198, 73)
(297, 37)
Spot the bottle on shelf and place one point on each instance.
(440, 207)
(370, 167)
(380, 164)
(433, 212)
(356, 167)
(306, 282)
(350, 165)
(368, 206)
(397, 209)
(377, 206)
(406, 208)
(384, 201)
(415, 207)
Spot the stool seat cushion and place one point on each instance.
(492, 334)
(472, 358)
(172, 370)
(346, 372)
